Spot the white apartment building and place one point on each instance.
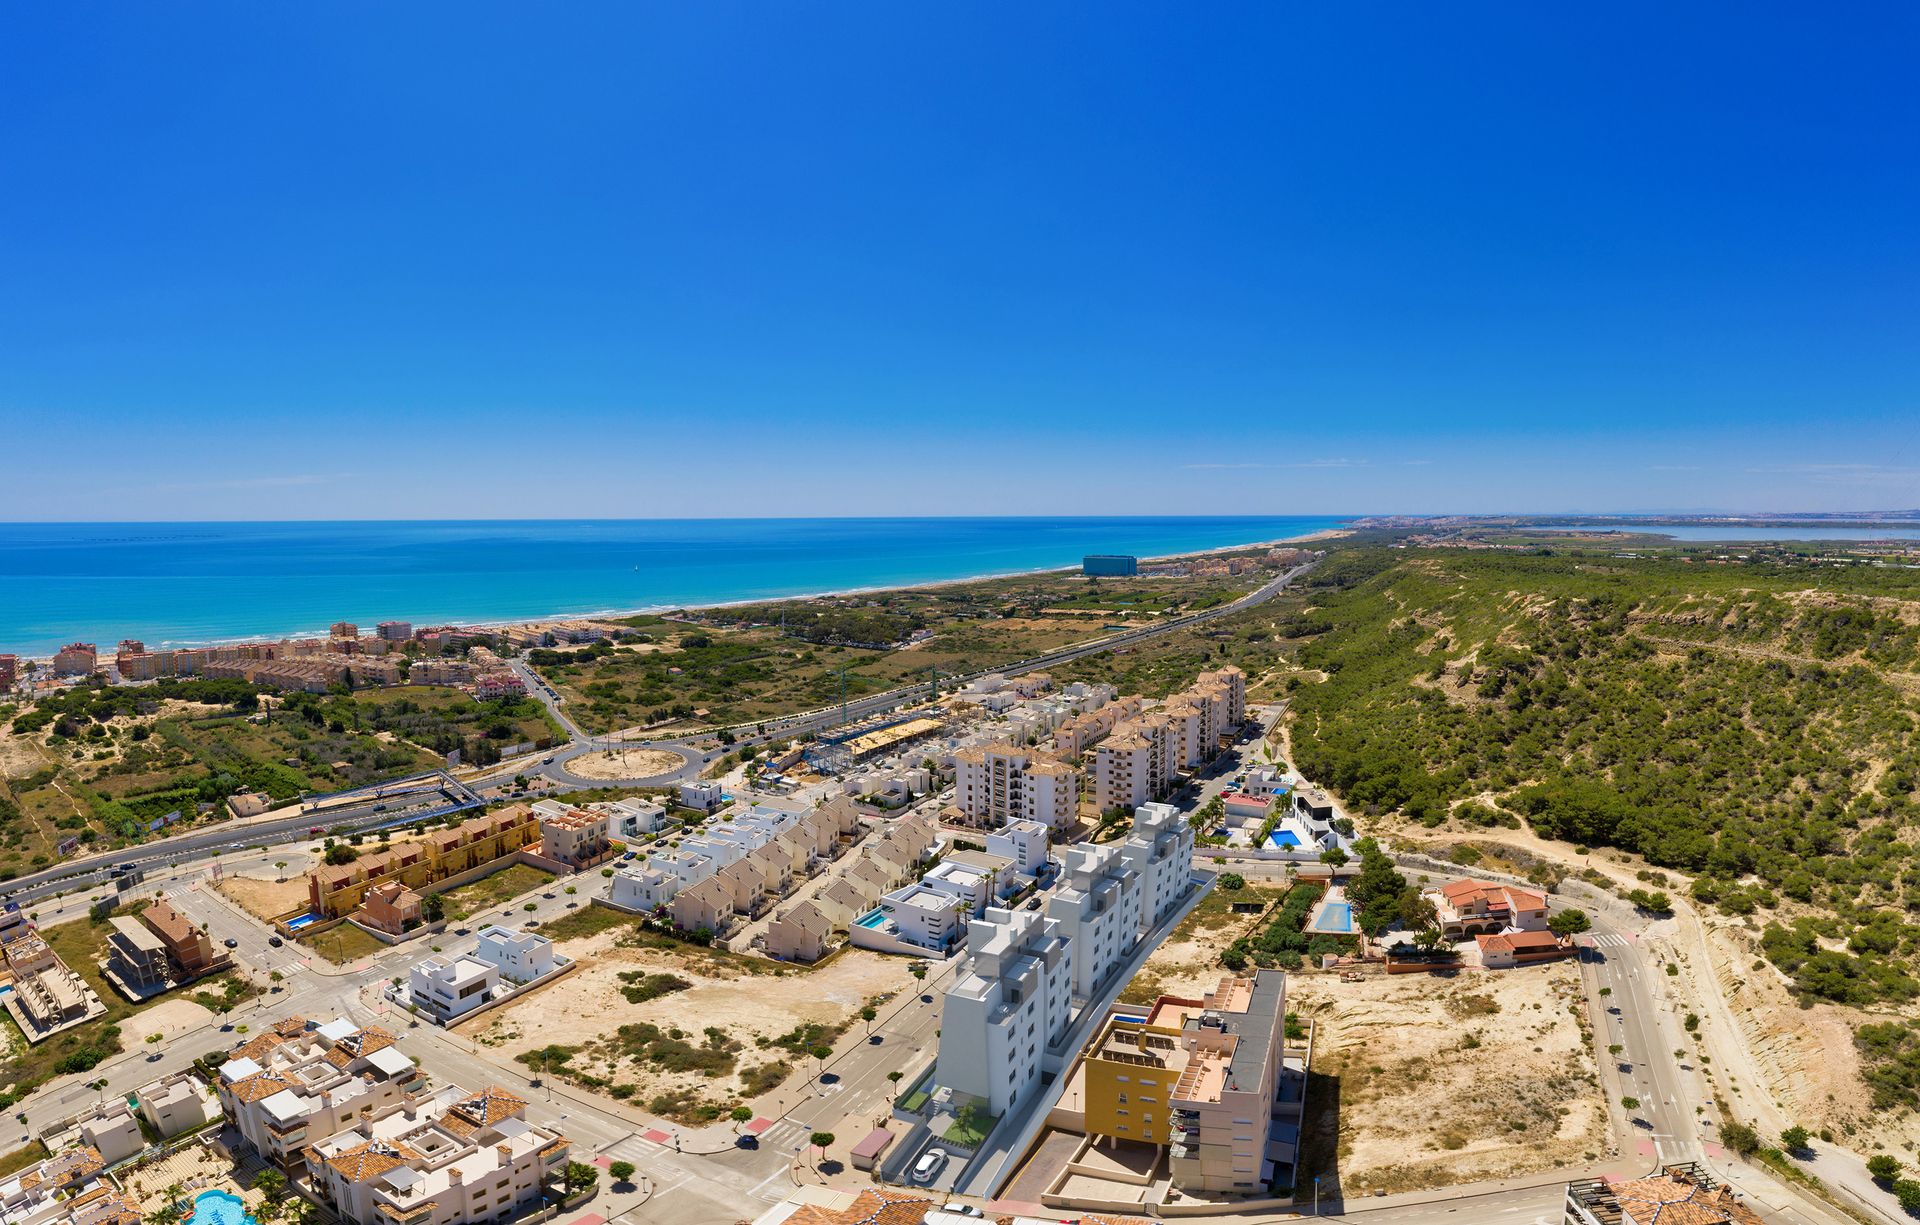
(519, 956)
(448, 988)
(455, 1158)
(1160, 851)
(300, 1082)
(1024, 843)
(1013, 1002)
(998, 783)
(176, 1104)
(633, 817)
(965, 883)
(643, 888)
(704, 796)
(1098, 907)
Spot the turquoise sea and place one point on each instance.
(174, 584)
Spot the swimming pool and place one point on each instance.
(294, 925)
(873, 918)
(1337, 917)
(219, 1208)
(1283, 840)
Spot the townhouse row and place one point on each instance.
(737, 867)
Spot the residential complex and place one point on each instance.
(1475, 907)
(302, 1081)
(1098, 908)
(503, 960)
(1160, 852)
(334, 890)
(1200, 1079)
(157, 949)
(451, 1158)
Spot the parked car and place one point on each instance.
(232, 943)
(930, 1164)
(275, 941)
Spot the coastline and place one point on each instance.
(656, 609)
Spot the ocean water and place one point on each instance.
(176, 584)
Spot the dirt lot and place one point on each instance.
(1188, 961)
(750, 1008)
(1446, 1081)
(626, 763)
(264, 898)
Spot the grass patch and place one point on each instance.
(587, 921)
(765, 1077)
(970, 1128)
(20, 1158)
(494, 889)
(343, 944)
(638, 986)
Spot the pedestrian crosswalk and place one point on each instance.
(784, 1135)
(633, 1148)
(1607, 940)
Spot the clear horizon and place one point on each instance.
(721, 261)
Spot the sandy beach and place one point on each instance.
(836, 593)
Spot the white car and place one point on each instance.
(931, 1163)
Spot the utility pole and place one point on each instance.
(843, 695)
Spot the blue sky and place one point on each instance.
(718, 259)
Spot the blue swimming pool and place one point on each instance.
(294, 925)
(219, 1208)
(873, 918)
(1337, 917)
(1283, 840)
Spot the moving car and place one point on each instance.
(275, 941)
(231, 943)
(930, 1164)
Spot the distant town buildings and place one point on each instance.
(396, 631)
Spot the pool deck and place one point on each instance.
(1320, 923)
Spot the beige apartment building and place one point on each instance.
(997, 784)
(1081, 732)
(1136, 763)
(576, 837)
(455, 1158)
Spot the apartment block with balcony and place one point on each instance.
(1000, 783)
(1013, 1001)
(1224, 1134)
(1160, 851)
(1098, 907)
(453, 1158)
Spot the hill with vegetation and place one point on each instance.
(1747, 724)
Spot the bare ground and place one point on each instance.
(264, 899)
(624, 763)
(587, 1006)
(1449, 1081)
